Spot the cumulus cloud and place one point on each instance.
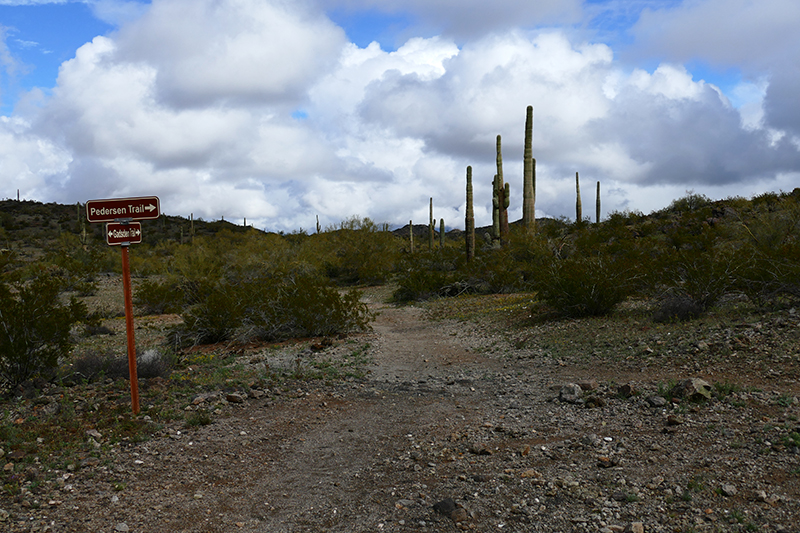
(468, 19)
(758, 38)
(207, 53)
(262, 110)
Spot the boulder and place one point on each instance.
(693, 389)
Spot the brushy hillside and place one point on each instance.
(237, 284)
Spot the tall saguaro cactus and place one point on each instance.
(597, 205)
(469, 219)
(441, 233)
(411, 236)
(502, 193)
(430, 228)
(578, 206)
(529, 176)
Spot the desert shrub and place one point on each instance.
(689, 203)
(35, 328)
(156, 297)
(271, 303)
(97, 365)
(356, 251)
(772, 249)
(432, 273)
(702, 270)
(420, 284)
(585, 284)
(677, 308)
(79, 264)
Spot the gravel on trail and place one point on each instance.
(445, 433)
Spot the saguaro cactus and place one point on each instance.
(495, 211)
(578, 207)
(411, 236)
(441, 233)
(430, 227)
(597, 206)
(502, 193)
(528, 176)
(469, 219)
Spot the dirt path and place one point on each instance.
(440, 419)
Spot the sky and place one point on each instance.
(281, 111)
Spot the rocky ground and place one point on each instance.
(459, 427)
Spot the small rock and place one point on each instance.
(588, 384)
(122, 527)
(674, 420)
(94, 433)
(404, 504)
(634, 527)
(480, 448)
(728, 490)
(693, 389)
(570, 393)
(236, 397)
(4, 515)
(761, 496)
(459, 515)
(656, 401)
(445, 507)
(595, 401)
(627, 390)
(606, 462)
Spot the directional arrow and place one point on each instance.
(144, 208)
(118, 233)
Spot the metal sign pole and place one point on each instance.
(126, 284)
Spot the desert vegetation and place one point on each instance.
(237, 284)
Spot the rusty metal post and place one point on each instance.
(126, 284)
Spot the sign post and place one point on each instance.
(122, 231)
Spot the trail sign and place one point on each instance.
(143, 208)
(118, 233)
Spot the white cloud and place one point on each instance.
(466, 19)
(29, 163)
(726, 32)
(256, 109)
(208, 52)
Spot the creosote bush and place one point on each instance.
(35, 327)
(584, 285)
(268, 303)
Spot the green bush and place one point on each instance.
(431, 273)
(34, 328)
(585, 285)
(702, 270)
(157, 297)
(271, 303)
(356, 251)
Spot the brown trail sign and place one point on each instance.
(121, 230)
